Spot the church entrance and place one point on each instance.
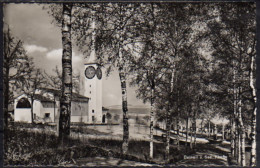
(23, 103)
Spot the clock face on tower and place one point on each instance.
(90, 72)
(99, 73)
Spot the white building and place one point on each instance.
(93, 83)
(46, 107)
(85, 108)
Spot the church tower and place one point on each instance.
(93, 83)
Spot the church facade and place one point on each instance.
(86, 108)
(46, 108)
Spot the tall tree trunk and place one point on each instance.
(122, 77)
(253, 124)
(232, 137)
(239, 149)
(242, 131)
(253, 141)
(151, 122)
(32, 119)
(65, 103)
(236, 140)
(178, 129)
(168, 122)
(201, 125)
(243, 152)
(235, 128)
(167, 146)
(191, 134)
(223, 132)
(215, 130)
(195, 132)
(6, 97)
(125, 111)
(209, 129)
(187, 131)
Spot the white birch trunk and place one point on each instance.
(187, 131)
(191, 140)
(178, 130)
(65, 103)
(239, 149)
(122, 76)
(151, 123)
(242, 135)
(232, 137)
(253, 124)
(195, 132)
(223, 132)
(167, 152)
(209, 130)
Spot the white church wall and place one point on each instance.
(22, 115)
(77, 119)
(48, 108)
(99, 101)
(37, 108)
(79, 112)
(93, 90)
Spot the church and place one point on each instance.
(86, 108)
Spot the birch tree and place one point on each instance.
(234, 43)
(65, 103)
(55, 80)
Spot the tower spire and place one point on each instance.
(92, 57)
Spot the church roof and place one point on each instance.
(105, 109)
(42, 98)
(75, 96)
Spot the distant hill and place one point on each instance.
(133, 110)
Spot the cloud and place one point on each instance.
(54, 54)
(34, 48)
(57, 54)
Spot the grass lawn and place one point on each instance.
(42, 148)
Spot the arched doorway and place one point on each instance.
(23, 103)
(22, 110)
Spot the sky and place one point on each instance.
(42, 40)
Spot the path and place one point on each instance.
(109, 161)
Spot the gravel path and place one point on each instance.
(109, 161)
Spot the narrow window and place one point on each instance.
(93, 111)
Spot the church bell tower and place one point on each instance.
(93, 83)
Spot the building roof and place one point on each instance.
(105, 109)
(75, 96)
(42, 98)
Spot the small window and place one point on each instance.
(93, 111)
(89, 85)
(47, 115)
(34, 116)
(93, 118)
(90, 92)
